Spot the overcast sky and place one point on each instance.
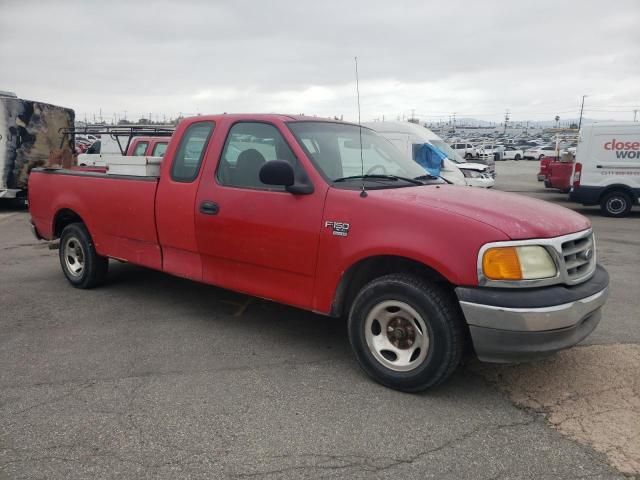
(475, 58)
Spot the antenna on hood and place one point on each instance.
(363, 192)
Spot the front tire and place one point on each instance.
(616, 204)
(517, 157)
(468, 156)
(80, 262)
(407, 334)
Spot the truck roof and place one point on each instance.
(266, 117)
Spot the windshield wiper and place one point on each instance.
(415, 181)
(431, 177)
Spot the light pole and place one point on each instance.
(581, 110)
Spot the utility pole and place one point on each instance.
(454, 122)
(635, 114)
(581, 110)
(506, 120)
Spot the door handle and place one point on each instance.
(209, 208)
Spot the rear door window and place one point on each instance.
(193, 144)
(159, 149)
(140, 149)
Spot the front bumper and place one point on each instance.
(511, 325)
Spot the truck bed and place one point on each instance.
(119, 210)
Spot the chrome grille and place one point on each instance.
(579, 257)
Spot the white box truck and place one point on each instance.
(607, 168)
(29, 136)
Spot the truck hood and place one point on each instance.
(519, 217)
(472, 166)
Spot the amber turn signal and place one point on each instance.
(501, 263)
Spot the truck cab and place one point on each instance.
(148, 146)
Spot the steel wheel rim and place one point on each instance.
(74, 256)
(396, 335)
(616, 205)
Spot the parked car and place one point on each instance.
(607, 167)
(278, 207)
(490, 150)
(536, 153)
(512, 153)
(464, 149)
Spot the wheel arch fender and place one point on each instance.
(65, 216)
(363, 270)
(619, 187)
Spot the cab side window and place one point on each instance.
(248, 147)
(159, 149)
(186, 163)
(140, 149)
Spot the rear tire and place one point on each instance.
(616, 204)
(406, 334)
(80, 263)
(517, 157)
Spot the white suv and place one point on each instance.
(465, 150)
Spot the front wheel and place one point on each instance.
(406, 334)
(468, 156)
(518, 157)
(616, 204)
(82, 266)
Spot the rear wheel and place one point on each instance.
(518, 156)
(82, 266)
(540, 157)
(616, 204)
(406, 334)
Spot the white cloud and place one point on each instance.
(472, 58)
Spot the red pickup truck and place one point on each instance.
(329, 217)
(149, 146)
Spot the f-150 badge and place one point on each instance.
(340, 229)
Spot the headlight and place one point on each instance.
(528, 262)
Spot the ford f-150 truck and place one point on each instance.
(329, 217)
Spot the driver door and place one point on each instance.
(256, 238)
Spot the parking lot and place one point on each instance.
(153, 376)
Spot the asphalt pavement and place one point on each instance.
(152, 376)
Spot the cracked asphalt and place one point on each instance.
(152, 376)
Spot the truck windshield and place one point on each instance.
(334, 148)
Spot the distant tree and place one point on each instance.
(124, 121)
(574, 126)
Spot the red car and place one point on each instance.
(328, 216)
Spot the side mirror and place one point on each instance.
(280, 172)
(277, 172)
